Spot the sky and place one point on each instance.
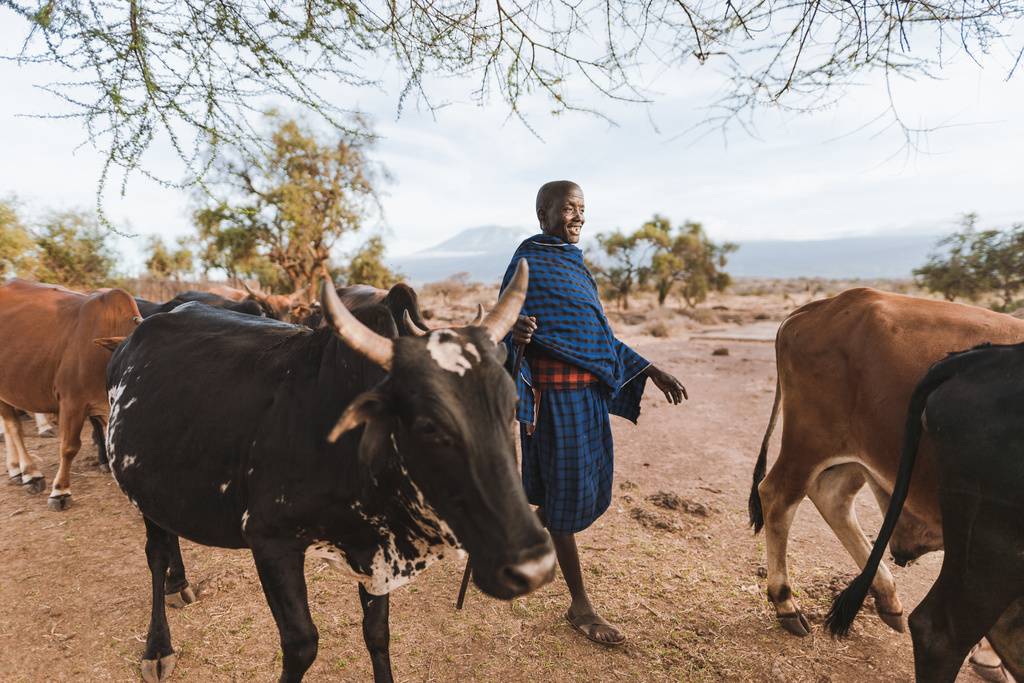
(836, 173)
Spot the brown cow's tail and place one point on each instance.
(754, 503)
(848, 603)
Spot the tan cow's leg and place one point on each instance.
(72, 418)
(43, 425)
(21, 468)
(833, 493)
(781, 493)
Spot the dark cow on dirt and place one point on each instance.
(148, 308)
(238, 432)
(971, 406)
(846, 369)
(50, 363)
(401, 300)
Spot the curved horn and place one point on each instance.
(361, 338)
(504, 314)
(410, 326)
(256, 294)
(299, 292)
(479, 316)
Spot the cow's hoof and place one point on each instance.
(896, 621)
(158, 670)
(180, 599)
(48, 434)
(34, 486)
(104, 467)
(15, 480)
(795, 623)
(59, 503)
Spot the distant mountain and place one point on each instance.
(484, 253)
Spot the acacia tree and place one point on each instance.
(17, 250)
(186, 73)
(970, 262)
(366, 266)
(164, 263)
(286, 210)
(74, 250)
(688, 258)
(627, 264)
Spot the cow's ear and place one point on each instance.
(366, 408)
(501, 352)
(109, 342)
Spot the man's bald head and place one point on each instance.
(553, 191)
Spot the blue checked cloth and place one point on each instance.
(568, 460)
(571, 326)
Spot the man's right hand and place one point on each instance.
(523, 330)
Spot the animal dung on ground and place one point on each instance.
(720, 352)
(673, 501)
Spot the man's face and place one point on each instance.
(563, 217)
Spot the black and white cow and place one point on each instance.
(243, 432)
(148, 308)
(971, 405)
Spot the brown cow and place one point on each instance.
(846, 369)
(285, 307)
(50, 363)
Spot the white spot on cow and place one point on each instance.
(447, 352)
(245, 519)
(127, 462)
(224, 486)
(251, 470)
(280, 500)
(130, 403)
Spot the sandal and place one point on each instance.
(585, 623)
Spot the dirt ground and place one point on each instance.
(74, 586)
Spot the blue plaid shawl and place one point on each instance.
(571, 326)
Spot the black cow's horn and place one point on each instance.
(479, 315)
(410, 326)
(376, 348)
(505, 313)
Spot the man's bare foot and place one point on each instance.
(596, 628)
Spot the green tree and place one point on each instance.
(367, 267)
(972, 262)
(688, 258)
(627, 265)
(75, 251)
(184, 74)
(17, 250)
(163, 263)
(277, 217)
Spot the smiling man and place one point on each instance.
(575, 373)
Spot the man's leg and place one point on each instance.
(581, 613)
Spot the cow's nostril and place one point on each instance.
(527, 576)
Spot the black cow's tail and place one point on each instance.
(848, 603)
(754, 502)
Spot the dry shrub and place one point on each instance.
(659, 329)
(702, 316)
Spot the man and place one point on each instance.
(571, 372)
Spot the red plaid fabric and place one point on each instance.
(548, 373)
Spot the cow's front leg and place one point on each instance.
(281, 572)
(376, 633)
(21, 468)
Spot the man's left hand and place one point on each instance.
(674, 391)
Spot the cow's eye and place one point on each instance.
(424, 426)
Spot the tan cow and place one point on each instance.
(50, 363)
(846, 369)
(284, 307)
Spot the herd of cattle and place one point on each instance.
(348, 430)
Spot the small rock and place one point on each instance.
(720, 352)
